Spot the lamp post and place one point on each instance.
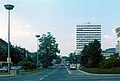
(9, 7)
(37, 47)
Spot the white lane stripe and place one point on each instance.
(68, 70)
(48, 75)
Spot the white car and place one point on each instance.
(72, 67)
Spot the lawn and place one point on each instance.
(23, 72)
(102, 71)
(3, 73)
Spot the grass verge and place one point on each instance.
(23, 72)
(102, 71)
(3, 73)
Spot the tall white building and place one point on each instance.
(85, 33)
(118, 47)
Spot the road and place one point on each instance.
(61, 74)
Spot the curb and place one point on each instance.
(6, 76)
(98, 74)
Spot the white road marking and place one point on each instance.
(68, 70)
(47, 75)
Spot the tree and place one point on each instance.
(91, 54)
(72, 58)
(118, 31)
(112, 62)
(27, 65)
(48, 49)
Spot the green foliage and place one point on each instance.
(118, 31)
(58, 60)
(114, 61)
(71, 57)
(91, 54)
(105, 64)
(115, 70)
(48, 49)
(27, 65)
(17, 53)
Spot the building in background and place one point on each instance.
(85, 33)
(118, 47)
(108, 52)
(113, 50)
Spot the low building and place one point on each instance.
(106, 54)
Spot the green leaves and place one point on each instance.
(91, 54)
(48, 49)
(118, 31)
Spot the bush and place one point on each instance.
(109, 63)
(105, 64)
(27, 65)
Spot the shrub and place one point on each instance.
(27, 65)
(105, 64)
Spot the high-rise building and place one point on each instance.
(118, 47)
(85, 33)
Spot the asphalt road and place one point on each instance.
(61, 74)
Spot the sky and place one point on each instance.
(31, 17)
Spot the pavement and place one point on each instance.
(6, 75)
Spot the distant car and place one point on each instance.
(19, 67)
(4, 69)
(72, 67)
(13, 67)
(16, 67)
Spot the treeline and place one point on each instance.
(91, 57)
(17, 53)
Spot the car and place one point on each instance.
(19, 67)
(72, 67)
(16, 67)
(13, 67)
(4, 69)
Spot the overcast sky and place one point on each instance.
(31, 17)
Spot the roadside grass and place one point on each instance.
(3, 73)
(115, 70)
(23, 72)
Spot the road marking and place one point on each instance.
(48, 75)
(69, 72)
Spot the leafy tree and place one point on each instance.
(72, 58)
(114, 61)
(27, 65)
(118, 31)
(91, 54)
(17, 54)
(48, 49)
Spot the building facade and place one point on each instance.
(118, 47)
(85, 33)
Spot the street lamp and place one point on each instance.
(9, 7)
(37, 47)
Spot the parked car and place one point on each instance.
(4, 69)
(72, 67)
(13, 67)
(16, 67)
(19, 67)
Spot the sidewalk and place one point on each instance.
(5, 75)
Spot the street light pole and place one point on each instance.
(9, 7)
(37, 48)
